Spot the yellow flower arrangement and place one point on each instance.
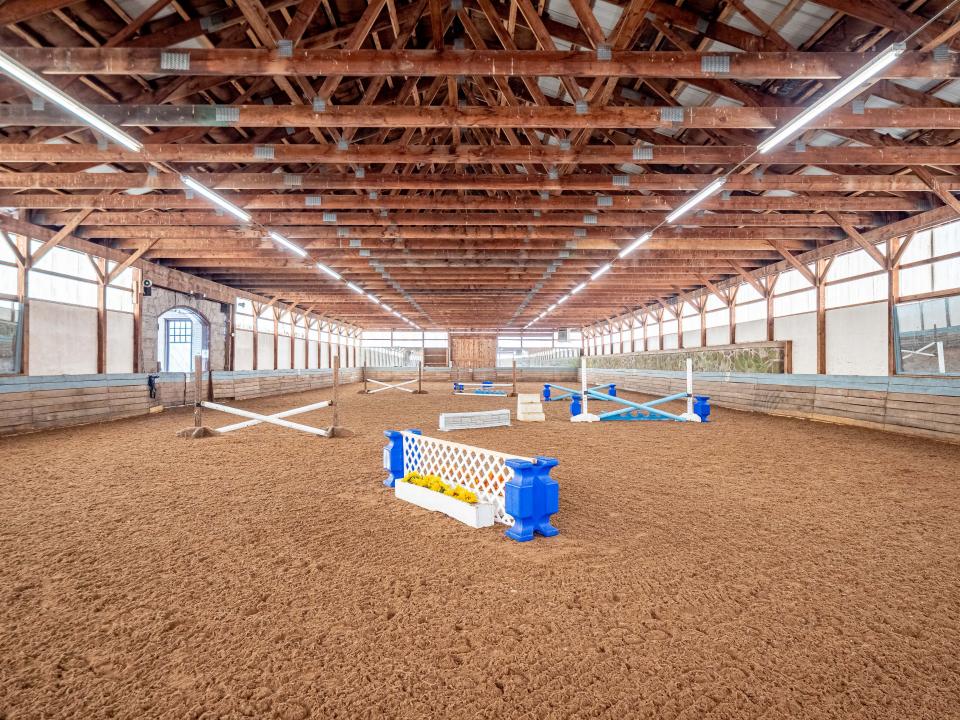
(433, 482)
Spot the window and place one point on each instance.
(10, 336)
(927, 336)
(179, 331)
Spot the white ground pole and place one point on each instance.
(689, 386)
(280, 415)
(388, 386)
(266, 419)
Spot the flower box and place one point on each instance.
(476, 515)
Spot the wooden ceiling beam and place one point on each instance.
(455, 219)
(582, 181)
(488, 63)
(446, 116)
(297, 201)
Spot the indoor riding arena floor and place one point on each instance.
(754, 567)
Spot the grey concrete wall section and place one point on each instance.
(161, 300)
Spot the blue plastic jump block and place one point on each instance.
(393, 456)
(531, 496)
(701, 407)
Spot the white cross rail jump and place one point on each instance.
(388, 386)
(271, 419)
(277, 416)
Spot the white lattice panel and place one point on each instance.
(482, 471)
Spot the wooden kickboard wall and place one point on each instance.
(35, 403)
(922, 407)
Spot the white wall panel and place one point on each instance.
(63, 339)
(802, 331)
(857, 340)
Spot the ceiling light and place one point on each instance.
(709, 190)
(36, 84)
(602, 271)
(355, 288)
(550, 309)
(578, 288)
(373, 298)
(223, 203)
(563, 299)
(329, 271)
(837, 95)
(635, 244)
(281, 240)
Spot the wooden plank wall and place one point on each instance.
(922, 407)
(28, 404)
(527, 374)
(435, 357)
(473, 351)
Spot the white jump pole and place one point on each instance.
(280, 415)
(583, 384)
(266, 419)
(387, 386)
(689, 386)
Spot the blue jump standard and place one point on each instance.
(632, 410)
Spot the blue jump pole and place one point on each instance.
(648, 407)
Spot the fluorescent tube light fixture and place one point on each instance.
(691, 203)
(837, 95)
(602, 271)
(36, 84)
(635, 244)
(563, 299)
(373, 299)
(329, 271)
(221, 202)
(578, 288)
(355, 288)
(281, 240)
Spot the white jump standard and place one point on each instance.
(695, 412)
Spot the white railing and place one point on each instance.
(482, 471)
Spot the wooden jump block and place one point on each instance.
(529, 408)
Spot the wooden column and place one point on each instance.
(703, 321)
(230, 361)
(276, 338)
(894, 251)
(732, 308)
(821, 287)
(257, 309)
(197, 390)
(679, 315)
(137, 280)
(22, 251)
(100, 265)
(769, 284)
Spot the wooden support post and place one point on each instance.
(230, 361)
(420, 378)
(732, 309)
(197, 391)
(893, 294)
(100, 265)
(514, 376)
(336, 393)
(257, 309)
(821, 286)
(138, 320)
(276, 338)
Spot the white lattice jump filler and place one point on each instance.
(520, 488)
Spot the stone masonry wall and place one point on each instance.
(161, 300)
